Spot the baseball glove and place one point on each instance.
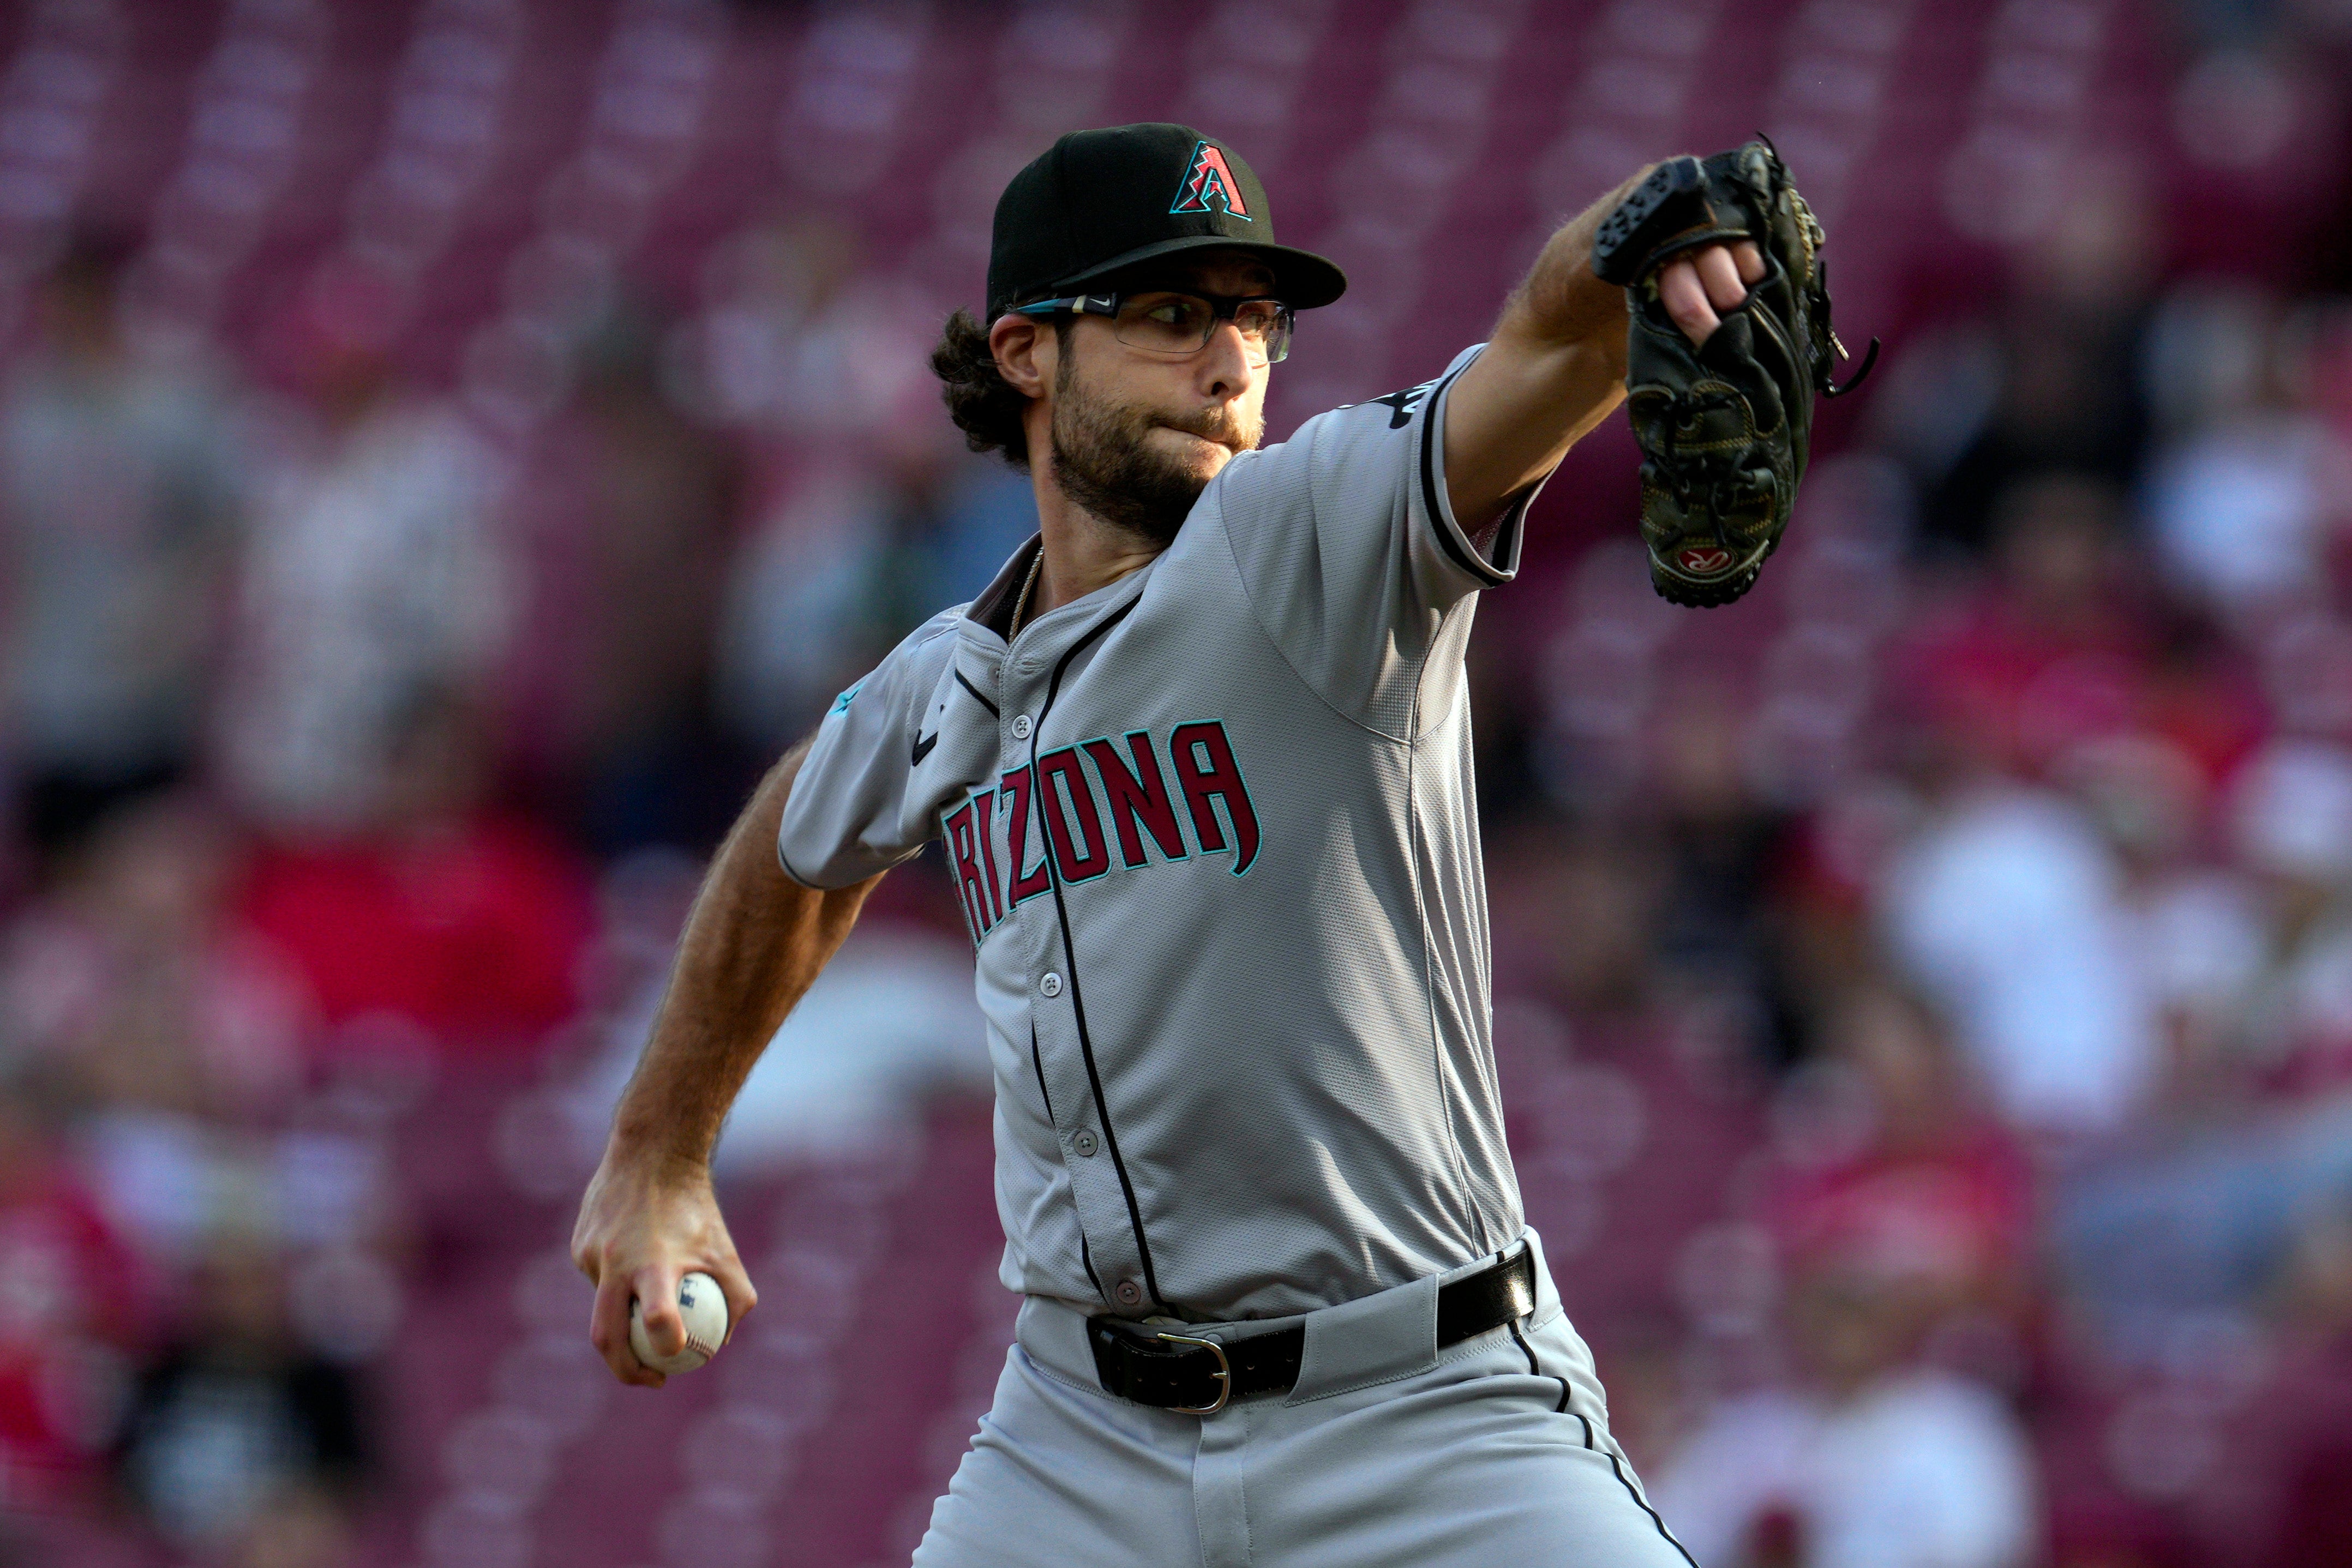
(1724, 426)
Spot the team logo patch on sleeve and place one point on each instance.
(841, 704)
(1208, 178)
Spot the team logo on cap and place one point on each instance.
(1209, 178)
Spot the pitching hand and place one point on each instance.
(1698, 284)
(645, 1223)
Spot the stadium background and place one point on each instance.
(448, 447)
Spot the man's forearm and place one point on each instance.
(1553, 369)
(1560, 303)
(752, 947)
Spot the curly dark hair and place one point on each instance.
(983, 404)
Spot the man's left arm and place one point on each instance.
(1555, 365)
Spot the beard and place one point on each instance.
(1104, 465)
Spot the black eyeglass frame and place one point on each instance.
(1225, 307)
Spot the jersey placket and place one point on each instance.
(1068, 1045)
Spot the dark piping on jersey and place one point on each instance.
(1037, 1060)
(1070, 961)
(1434, 504)
(977, 696)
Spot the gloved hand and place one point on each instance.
(1724, 424)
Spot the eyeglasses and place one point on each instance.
(1180, 324)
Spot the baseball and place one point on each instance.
(704, 1309)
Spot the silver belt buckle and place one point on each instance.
(1224, 1374)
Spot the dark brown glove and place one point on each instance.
(1724, 425)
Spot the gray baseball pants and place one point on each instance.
(1387, 1454)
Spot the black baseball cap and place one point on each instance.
(1098, 202)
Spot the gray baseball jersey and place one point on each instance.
(1212, 826)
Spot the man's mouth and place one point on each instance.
(1230, 443)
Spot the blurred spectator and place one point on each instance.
(629, 510)
(1585, 912)
(802, 339)
(2006, 907)
(2047, 384)
(2307, 1407)
(890, 1023)
(949, 523)
(1873, 1459)
(870, 518)
(2049, 648)
(829, 583)
(2004, 902)
(1920, 1176)
(433, 908)
(375, 568)
(71, 1318)
(2292, 813)
(120, 495)
(169, 1025)
(1720, 847)
(170, 1035)
(987, 511)
(239, 1442)
(1505, 714)
(793, 630)
(2249, 501)
(2197, 929)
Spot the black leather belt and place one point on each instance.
(1153, 1364)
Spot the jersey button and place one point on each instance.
(1051, 984)
(1086, 1144)
(1129, 1292)
(1020, 727)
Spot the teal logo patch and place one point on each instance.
(841, 704)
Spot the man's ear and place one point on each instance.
(1025, 353)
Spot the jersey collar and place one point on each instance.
(993, 608)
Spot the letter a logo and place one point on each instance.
(1206, 178)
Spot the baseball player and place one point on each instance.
(1199, 760)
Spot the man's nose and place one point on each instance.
(1227, 367)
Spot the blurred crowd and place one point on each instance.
(339, 749)
(1984, 889)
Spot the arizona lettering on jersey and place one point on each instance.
(1211, 829)
(1119, 798)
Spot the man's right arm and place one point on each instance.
(752, 947)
